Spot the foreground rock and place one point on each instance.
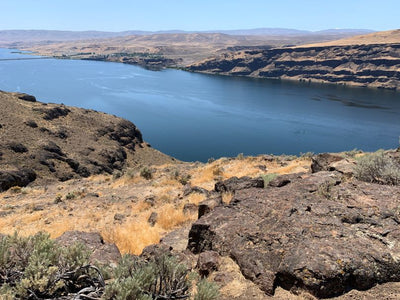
(319, 233)
(59, 142)
(101, 252)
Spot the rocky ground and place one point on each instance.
(296, 228)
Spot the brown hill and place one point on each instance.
(171, 49)
(382, 37)
(60, 142)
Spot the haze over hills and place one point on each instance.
(57, 35)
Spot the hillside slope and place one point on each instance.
(60, 142)
(374, 64)
(382, 37)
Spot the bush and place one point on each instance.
(36, 267)
(378, 168)
(268, 177)
(162, 277)
(206, 290)
(146, 173)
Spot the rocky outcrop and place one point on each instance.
(375, 65)
(234, 184)
(321, 233)
(152, 62)
(19, 178)
(60, 142)
(101, 252)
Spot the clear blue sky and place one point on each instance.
(119, 15)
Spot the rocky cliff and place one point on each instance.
(53, 141)
(326, 233)
(372, 65)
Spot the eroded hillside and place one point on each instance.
(373, 61)
(57, 142)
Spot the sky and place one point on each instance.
(192, 15)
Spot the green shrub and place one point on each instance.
(160, 278)
(206, 290)
(306, 155)
(70, 196)
(184, 179)
(146, 173)
(210, 160)
(36, 267)
(379, 168)
(268, 177)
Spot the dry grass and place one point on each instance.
(196, 198)
(132, 237)
(34, 209)
(227, 197)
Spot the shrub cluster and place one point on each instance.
(36, 267)
(146, 173)
(378, 168)
(161, 277)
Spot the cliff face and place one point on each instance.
(375, 65)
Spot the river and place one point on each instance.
(194, 117)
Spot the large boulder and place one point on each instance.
(19, 178)
(102, 252)
(234, 184)
(323, 161)
(320, 233)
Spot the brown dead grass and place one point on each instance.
(227, 197)
(126, 196)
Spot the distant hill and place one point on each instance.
(294, 32)
(382, 37)
(12, 36)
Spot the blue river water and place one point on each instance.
(195, 116)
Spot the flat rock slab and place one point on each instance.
(321, 234)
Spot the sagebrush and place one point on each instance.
(378, 167)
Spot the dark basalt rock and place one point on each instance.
(31, 124)
(322, 162)
(299, 237)
(208, 262)
(26, 97)
(152, 220)
(189, 208)
(17, 147)
(53, 113)
(102, 252)
(20, 178)
(284, 180)
(209, 204)
(115, 158)
(234, 184)
(53, 148)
